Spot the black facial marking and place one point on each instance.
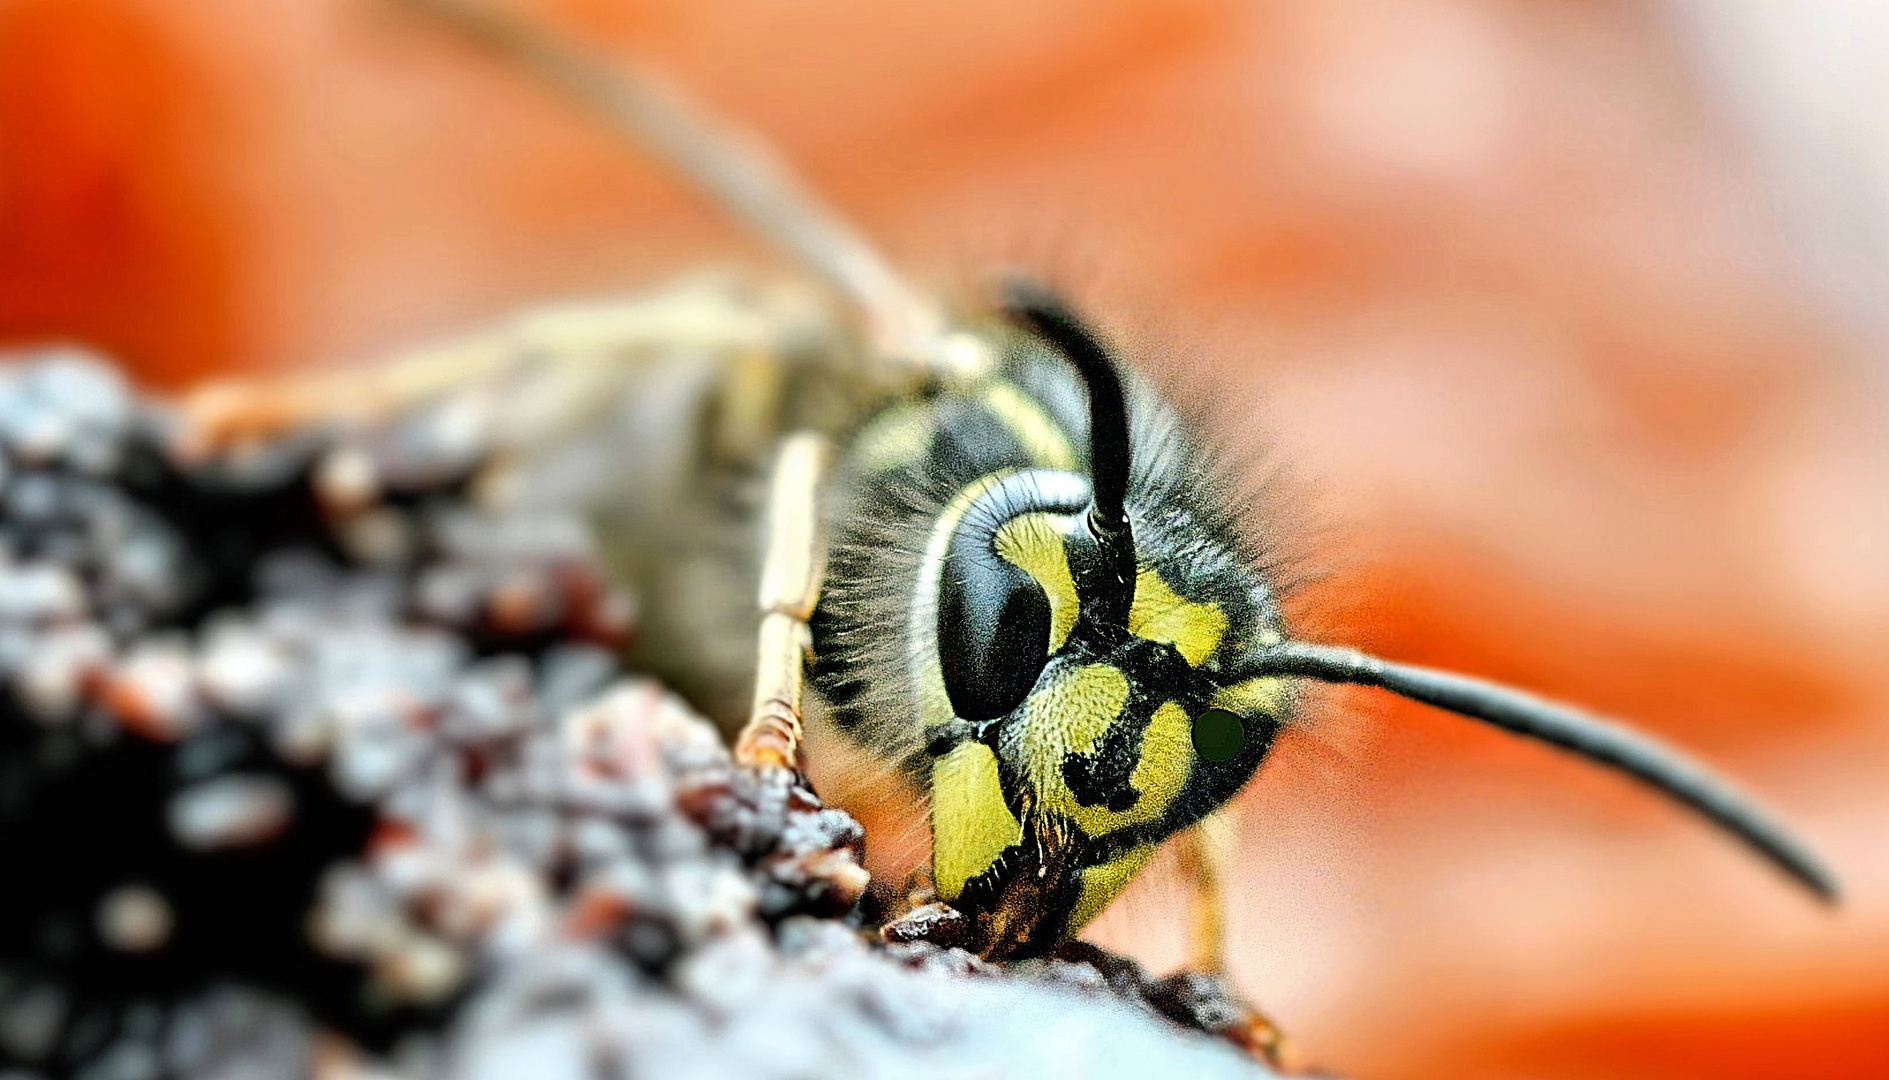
(1156, 674)
(1102, 778)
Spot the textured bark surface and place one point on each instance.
(306, 759)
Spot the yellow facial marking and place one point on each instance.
(1034, 543)
(1160, 614)
(1070, 717)
(970, 823)
(1104, 882)
(1267, 696)
(1030, 424)
(1167, 759)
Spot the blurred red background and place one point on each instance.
(1503, 282)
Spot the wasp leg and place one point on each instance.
(790, 586)
(1205, 858)
(1203, 994)
(536, 375)
(768, 747)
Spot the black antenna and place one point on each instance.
(1043, 313)
(1639, 756)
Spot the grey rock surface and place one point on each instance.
(311, 764)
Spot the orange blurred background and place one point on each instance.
(1530, 296)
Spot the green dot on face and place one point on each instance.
(1218, 735)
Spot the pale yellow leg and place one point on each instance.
(790, 586)
(548, 367)
(1206, 858)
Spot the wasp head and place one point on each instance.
(1108, 668)
(1089, 695)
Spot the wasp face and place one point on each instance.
(1070, 737)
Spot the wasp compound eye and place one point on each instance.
(993, 629)
(1218, 735)
(1005, 598)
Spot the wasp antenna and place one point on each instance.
(1039, 310)
(1639, 756)
(734, 170)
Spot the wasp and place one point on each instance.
(977, 542)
